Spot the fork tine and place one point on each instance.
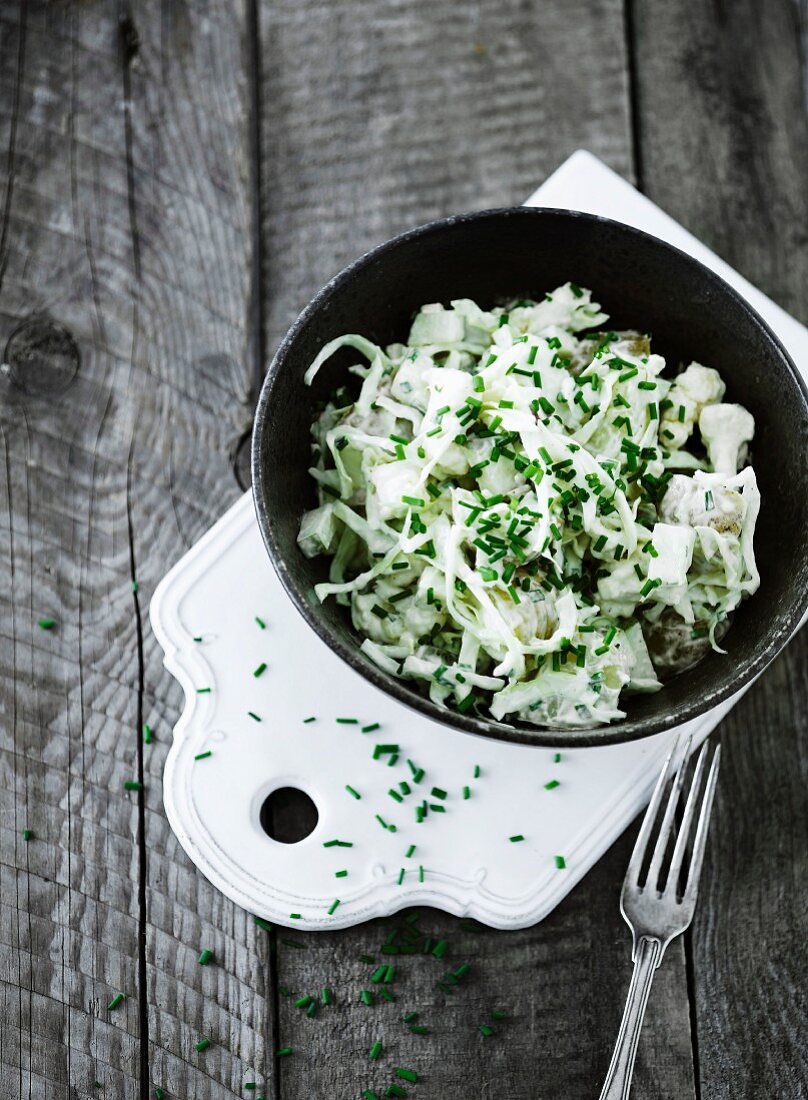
(687, 821)
(667, 822)
(633, 872)
(699, 844)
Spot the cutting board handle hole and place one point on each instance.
(288, 815)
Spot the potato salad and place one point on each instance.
(524, 516)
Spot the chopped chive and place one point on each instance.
(205, 957)
(420, 873)
(203, 1044)
(132, 785)
(352, 791)
(303, 1002)
(439, 950)
(406, 1074)
(366, 997)
(419, 1030)
(375, 1051)
(159, 1094)
(134, 587)
(395, 1091)
(557, 758)
(295, 916)
(26, 835)
(515, 839)
(401, 874)
(498, 1014)
(552, 785)
(261, 668)
(395, 795)
(203, 755)
(116, 1000)
(560, 862)
(250, 1086)
(307, 720)
(340, 874)
(284, 1052)
(147, 735)
(333, 907)
(348, 721)
(46, 624)
(261, 623)
(203, 691)
(382, 750)
(338, 844)
(371, 728)
(477, 772)
(438, 792)
(255, 717)
(326, 996)
(369, 1094)
(486, 1030)
(410, 851)
(467, 792)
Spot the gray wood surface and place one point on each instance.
(178, 179)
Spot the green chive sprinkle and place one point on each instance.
(132, 785)
(159, 1094)
(351, 791)
(116, 1000)
(438, 792)
(557, 758)
(284, 1052)
(420, 874)
(325, 995)
(410, 851)
(406, 1074)
(261, 668)
(205, 957)
(203, 1044)
(560, 862)
(338, 844)
(348, 721)
(333, 907)
(371, 728)
(303, 1002)
(46, 624)
(267, 927)
(147, 735)
(366, 997)
(26, 835)
(135, 586)
(375, 1051)
(203, 755)
(416, 1030)
(249, 1086)
(382, 750)
(515, 839)
(261, 623)
(307, 720)
(255, 717)
(477, 771)
(368, 1094)
(203, 691)
(98, 1085)
(498, 1014)
(395, 1090)
(439, 950)
(340, 874)
(294, 916)
(486, 1030)
(401, 874)
(552, 785)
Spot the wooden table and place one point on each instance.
(179, 178)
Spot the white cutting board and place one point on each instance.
(464, 860)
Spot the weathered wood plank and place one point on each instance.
(723, 129)
(376, 119)
(129, 223)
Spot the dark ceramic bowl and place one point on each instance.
(642, 283)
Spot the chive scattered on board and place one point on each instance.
(203, 755)
(371, 728)
(516, 838)
(375, 1051)
(46, 624)
(205, 956)
(333, 907)
(254, 716)
(552, 785)
(352, 791)
(557, 758)
(560, 862)
(307, 720)
(486, 1030)
(148, 735)
(132, 785)
(116, 1000)
(284, 1052)
(261, 623)
(340, 874)
(203, 691)
(261, 668)
(26, 835)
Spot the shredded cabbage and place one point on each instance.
(517, 507)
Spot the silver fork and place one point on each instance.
(657, 914)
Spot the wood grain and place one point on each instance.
(723, 129)
(376, 119)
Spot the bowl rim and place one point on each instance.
(613, 734)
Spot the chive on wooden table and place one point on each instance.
(178, 179)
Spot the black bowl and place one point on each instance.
(642, 283)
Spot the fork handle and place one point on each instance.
(618, 1080)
